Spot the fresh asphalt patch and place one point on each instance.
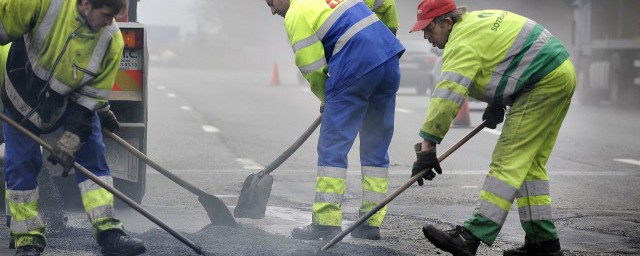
(215, 240)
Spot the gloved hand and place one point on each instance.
(321, 108)
(108, 120)
(64, 151)
(426, 160)
(494, 115)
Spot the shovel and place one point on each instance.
(256, 188)
(108, 187)
(217, 211)
(399, 191)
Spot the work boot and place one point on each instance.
(28, 250)
(366, 232)
(458, 241)
(315, 232)
(547, 248)
(115, 242)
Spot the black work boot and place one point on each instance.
(458, 241)
(315, 232)
(547, 248)
(115, 242)
(366, 232)
(28, 251)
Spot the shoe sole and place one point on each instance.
(440, 240)
(131, 252)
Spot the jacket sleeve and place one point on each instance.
(388, 14)
(18, 18)
(94, 95)
(308, 49)
(459, 67)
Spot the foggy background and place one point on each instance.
(243, 34)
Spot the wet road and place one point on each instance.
(215, 128)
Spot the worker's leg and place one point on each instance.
(534, 200)
(98, 202)
(341, 120)
(375, 136)
(22, 163)
(529, 124)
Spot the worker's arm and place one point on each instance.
(308, 49)
(18, 17)
(459, 67)
(94, 94)
(388, 14)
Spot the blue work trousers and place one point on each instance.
(367, 107)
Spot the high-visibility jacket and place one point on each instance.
(4, 51)
(59, 66)
(493, 56)
(339, 38)
(386, 11)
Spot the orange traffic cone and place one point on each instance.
(462, 120)
(275, 78)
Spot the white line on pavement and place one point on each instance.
(402, 110)
(492, 131)
(185, 108)
(249, 164)
(209, 128)
(171, 95)
(628, 161)
(290, 214)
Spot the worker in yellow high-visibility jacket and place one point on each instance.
(351, 60)
(503, 59)
(59, 73)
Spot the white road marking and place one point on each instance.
(402, 110)
(185, 108)
(161, 87)
(209, 128)
(249, 164)
(301, 217)
(492, 131)
(628, 161)
(171, 95)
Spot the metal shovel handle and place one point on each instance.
(402, 188)
(106, 186)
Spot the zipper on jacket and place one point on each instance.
(77, 68)
(53, 68)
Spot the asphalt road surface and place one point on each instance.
(214, 128)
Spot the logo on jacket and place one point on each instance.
(334, 3)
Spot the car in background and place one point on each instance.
(416, 65)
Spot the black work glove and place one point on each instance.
(64, 151)
(321, 108)
(426, 160)
(108, 120)
(494, 115)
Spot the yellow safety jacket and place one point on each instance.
(340, 39)
(493, 56)
(59, 66)
(386, 11)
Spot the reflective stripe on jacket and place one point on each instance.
(493, 56)
(64, 57)
(340, 38)
(386, 11)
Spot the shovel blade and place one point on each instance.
(254, 196)
(217, 211)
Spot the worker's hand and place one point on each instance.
(426, 160)
(321, 107)
(64, 150)
(494, 115)
(108, 120)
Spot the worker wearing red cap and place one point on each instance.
(503, 59)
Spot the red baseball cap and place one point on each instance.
(430, 9)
